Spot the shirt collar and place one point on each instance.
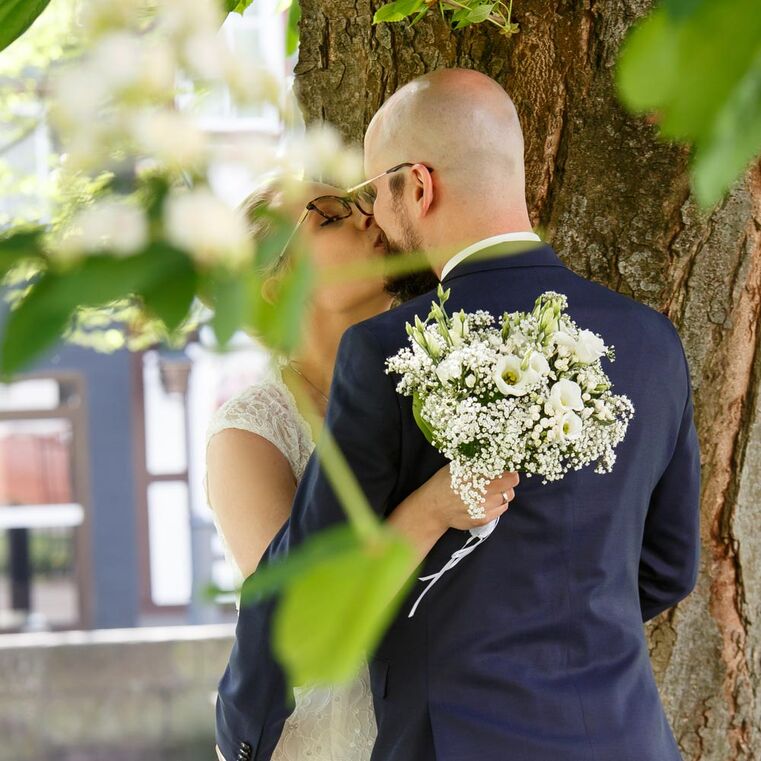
(485, 243)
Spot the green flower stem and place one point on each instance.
(361, 516)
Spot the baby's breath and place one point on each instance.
(527, 393)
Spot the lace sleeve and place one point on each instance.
(268, 410)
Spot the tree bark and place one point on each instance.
(615, 203)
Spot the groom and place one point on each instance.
(532, 648)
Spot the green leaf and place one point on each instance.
(698, 70)
(397, 11)
(16, 16)
(33, 326)
(292, 28)
(170, 297)
(236, 6)
(734, 141)
(278, 230)
(274, 577)
(278, 324)
(43, 314)
(19, 246)
(333, 615)
(231, 300)
(417, 406)
(680, 8)
(480, 13)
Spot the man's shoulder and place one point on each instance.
(643, 315)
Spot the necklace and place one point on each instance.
(298, 372)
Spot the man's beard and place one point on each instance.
(407, 286)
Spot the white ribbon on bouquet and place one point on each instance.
(480, 534)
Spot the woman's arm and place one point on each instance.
(250, 488)
(426, 514)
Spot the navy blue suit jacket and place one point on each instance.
(532, 648)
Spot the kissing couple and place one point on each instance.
(534, 649)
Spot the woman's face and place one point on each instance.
(335, 243)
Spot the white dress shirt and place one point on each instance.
(485, 243)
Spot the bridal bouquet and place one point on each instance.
(526, 394)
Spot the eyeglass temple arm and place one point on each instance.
(293, 232)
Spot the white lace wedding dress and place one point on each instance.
(328, 723)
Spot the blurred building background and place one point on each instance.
(110, 644)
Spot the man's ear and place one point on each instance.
(422, 188)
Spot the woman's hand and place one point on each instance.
(426, 514)
(445, 506)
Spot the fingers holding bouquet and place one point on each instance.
(452, 512)
(499, 494)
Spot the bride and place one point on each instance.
(258, 444)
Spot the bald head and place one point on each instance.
(457, 120)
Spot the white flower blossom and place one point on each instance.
(511, 379)
(200, 223)
(589, 347)
(566, 395)
(114, 226)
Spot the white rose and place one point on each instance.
(511, 380)
(566, 395)
(589, 347)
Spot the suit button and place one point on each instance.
(244, 752)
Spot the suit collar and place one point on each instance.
(519, 253)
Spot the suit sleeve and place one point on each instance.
(363, 416)
(670, 557)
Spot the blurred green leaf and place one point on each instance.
(278, 230)
(397, 11)
(170, 295)
(334, 614)
(292, 28)
(735, 140)
(278, 322)
(680, 8)
(18, 246)
(274, 577)
(43, 314)
(236, 6)
(699, 71)
(231, 298)
(16, 16)
(34, 325)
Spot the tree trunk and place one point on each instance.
(614, 201)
